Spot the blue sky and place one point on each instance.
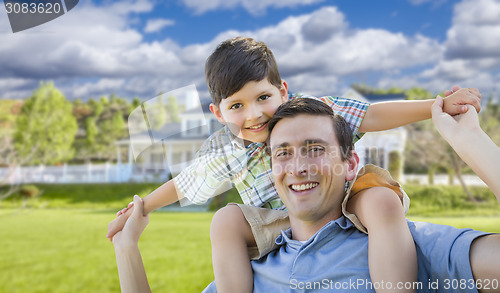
(141, 47)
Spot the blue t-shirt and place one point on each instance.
(335, 259)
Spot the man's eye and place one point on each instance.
(236, 106)
(264, 97)
(281, 154)
(316, 150)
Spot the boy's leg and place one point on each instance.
(392, 255)
(231, 236)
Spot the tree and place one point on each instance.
(427, 149)
(109, 130)
(136, 102)
(90, 132)
(417, 93)
(173, 109)
(157, 114)
(46, 125)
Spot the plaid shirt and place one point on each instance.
(224, 161)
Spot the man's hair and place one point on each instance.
(237, 61)
(314, 107)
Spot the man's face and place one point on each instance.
(307, 167)
(248, 111)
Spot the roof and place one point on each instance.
(373, 98)
(205, 106)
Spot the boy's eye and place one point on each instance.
(236, 106)
(264, 97)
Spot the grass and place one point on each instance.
(56, 243)
(66, 251)
(86, 196)
(55, 250)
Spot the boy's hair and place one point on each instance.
(237, 61)
(314, 107)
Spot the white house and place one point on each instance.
(374, 148)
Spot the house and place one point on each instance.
(376, 147)
(165, 150)
(157, 152)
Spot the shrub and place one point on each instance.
(29, 191)
(395, 165)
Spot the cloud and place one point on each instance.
(254, 7)
(471, 55)
(98, 51)
(435, 3)
(303, 56)
(92, 46)
(155, 25)
(475, 32)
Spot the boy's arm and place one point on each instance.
(388, 115)
(160, 197)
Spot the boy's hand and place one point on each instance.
(124, 210)
(116, 225)
(456, 103)
(134, 225)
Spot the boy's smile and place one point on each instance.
(248, 111)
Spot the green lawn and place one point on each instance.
(56, 250)
(65, 251)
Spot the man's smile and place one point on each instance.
(303, 186)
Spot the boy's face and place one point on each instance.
(248, 111)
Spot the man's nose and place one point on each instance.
(298, 166)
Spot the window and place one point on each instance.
(215, 125)
(193, 127)
(375, 156)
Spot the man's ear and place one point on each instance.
(214, 109)
(284, 91)
(352, 166)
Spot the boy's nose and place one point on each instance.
(254, 113)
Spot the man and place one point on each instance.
(323, 251)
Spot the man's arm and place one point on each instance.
(473, 145)
(128, 257)
(388, 115)
(160, 197)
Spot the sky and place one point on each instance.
(138, 48)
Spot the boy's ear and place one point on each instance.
(214, 109)
(284, 91)
(352, 166)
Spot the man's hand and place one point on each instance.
(452, 127)
(134, 225)
(457, 99)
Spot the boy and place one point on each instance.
(246, 89)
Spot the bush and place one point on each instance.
(442, 200)
(395, 165)
(222, 200)
(30, 191)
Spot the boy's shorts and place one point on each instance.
(267, 224)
